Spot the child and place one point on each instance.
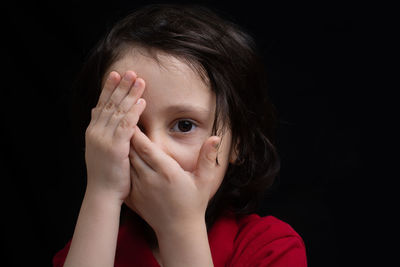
(181, 135)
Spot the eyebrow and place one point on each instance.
(183, 108)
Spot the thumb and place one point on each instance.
(207, 160)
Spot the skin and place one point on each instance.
(150, 146)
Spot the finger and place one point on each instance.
(134, 174)
(141, 169)
(135, 187)
(126, 104)
(126, 126)
(110, 84)
(114, 100)
(207, 160)
(153, 155)
(134, 94)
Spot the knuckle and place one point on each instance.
(89, 132)
(91, 138)
(124, 123)
(110, 105)
(94, 112)
(167, 175)
(100, 104)
(118, 112)
(145, 150)
(93, 135)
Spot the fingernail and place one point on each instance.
(129, 75)
(137, 83)
(112, 75)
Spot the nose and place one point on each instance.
(160, 140)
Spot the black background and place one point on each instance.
(315, 56)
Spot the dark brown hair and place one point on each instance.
(226, 57)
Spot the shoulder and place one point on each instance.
(269, 227)
(267, 241)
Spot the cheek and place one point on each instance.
(187, 156)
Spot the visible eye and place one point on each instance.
(183, 126)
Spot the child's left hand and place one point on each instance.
(164, 194)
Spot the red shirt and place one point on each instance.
(248, 240)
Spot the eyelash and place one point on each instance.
(176, 125)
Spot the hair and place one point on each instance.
(226, 57)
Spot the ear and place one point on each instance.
(234, 153)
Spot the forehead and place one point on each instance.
(169, 80)
(144, 61)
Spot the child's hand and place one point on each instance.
(108, 135)
(162, 192)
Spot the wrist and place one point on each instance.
(180, 232)
(101, 200)
(97, 195)
(181, 227)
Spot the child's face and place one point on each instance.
(179, 111)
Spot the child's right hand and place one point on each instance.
(108, 135)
